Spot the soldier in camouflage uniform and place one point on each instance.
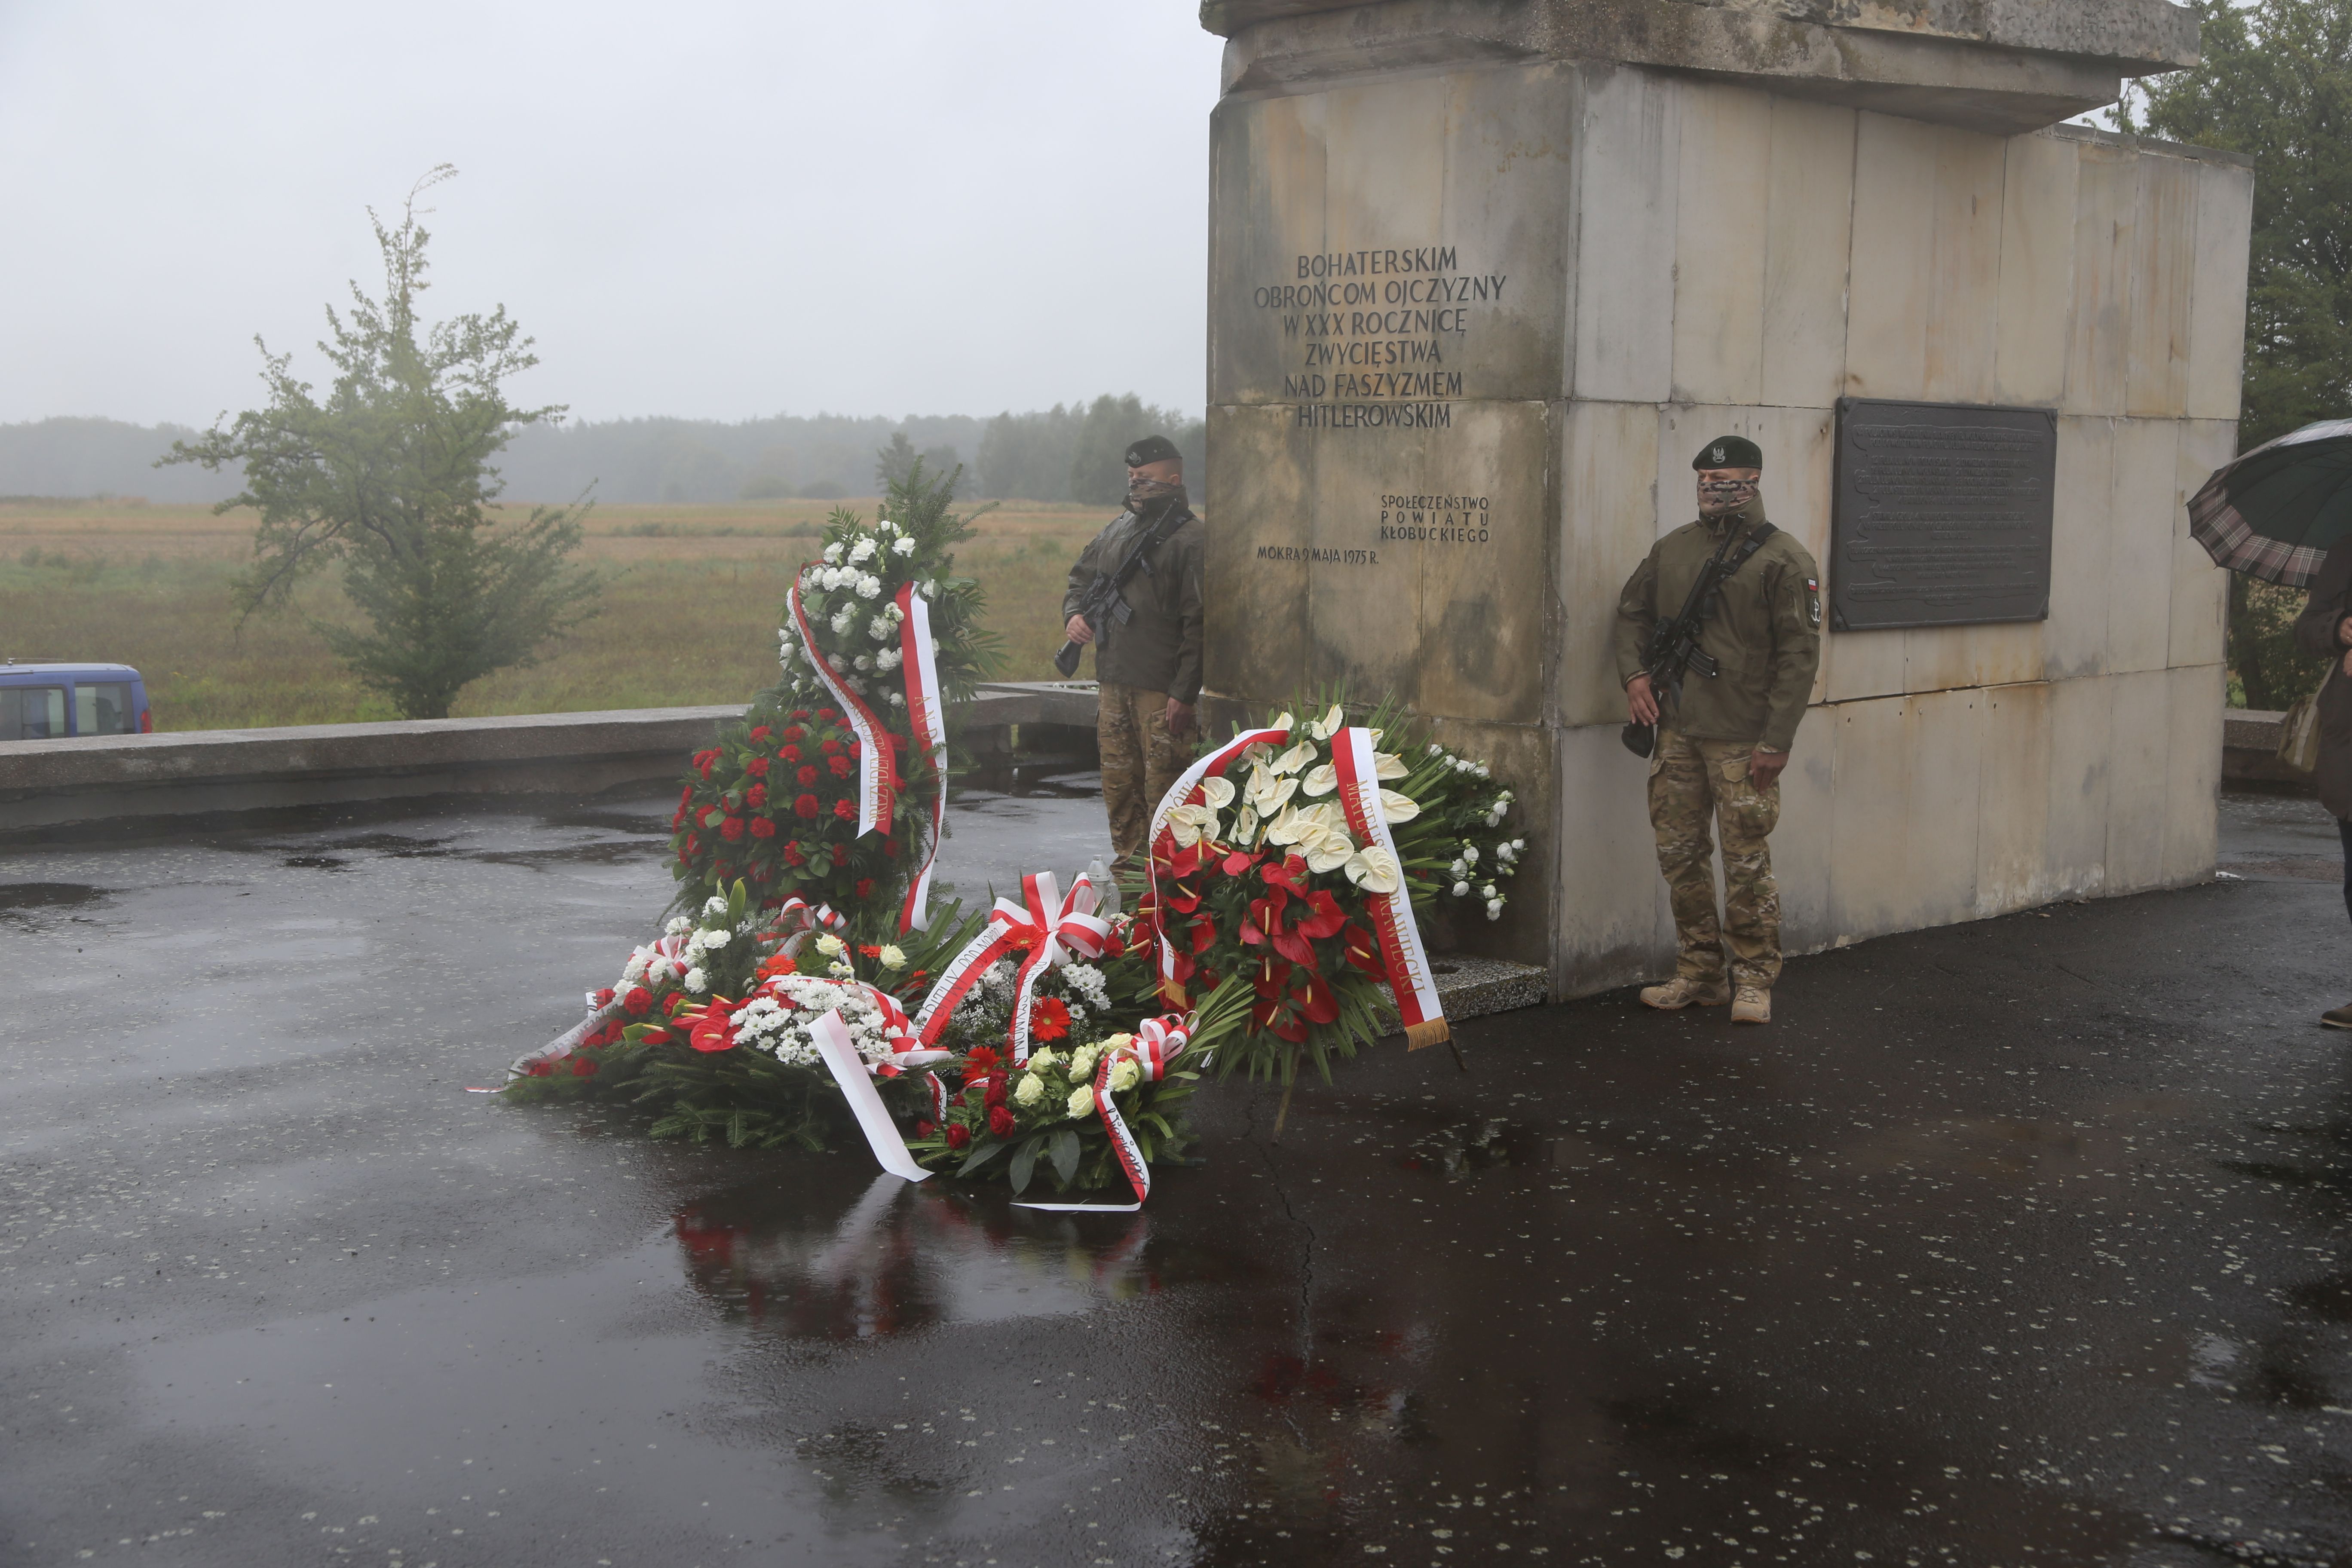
(1721, 747)
(1149, 665)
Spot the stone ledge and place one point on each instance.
(46, 784)
(2000, 68)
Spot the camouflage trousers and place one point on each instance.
(1690, 783)
(1140, 761)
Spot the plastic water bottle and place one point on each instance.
(1100, 875)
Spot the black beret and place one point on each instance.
(1153, 449)
(1729, 452)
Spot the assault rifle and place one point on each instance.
(1673, 648)
(1105, 599)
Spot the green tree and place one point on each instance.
(2275, 83)
(389, 475)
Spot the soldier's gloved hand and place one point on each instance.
(1764, 767)
(1079, 632)
(1640, 705)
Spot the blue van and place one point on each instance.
(52, 701)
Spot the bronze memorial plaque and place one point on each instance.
(1942, 514)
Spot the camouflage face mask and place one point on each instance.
(1142, 492)
(1718, 497)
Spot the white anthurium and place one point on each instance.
(1282, 721)
(1245, 827)
(1291, 760)
(1269, 794)
(1219, 792)
(1329, 816)
(1375, 870)
(1399, 807)
(1328, 725)
(1389, 765)
(1286, 828)
(1191, 823)
(1320, 780)
(1325, 851)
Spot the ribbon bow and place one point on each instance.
(1051, 927)
(1156, 1044)
(797, 919)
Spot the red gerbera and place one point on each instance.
(762, 828)
(982, 1059)
(1049, 1019)
(869, 950)
(806, 806)
(958, 1136)
(1001, 1122)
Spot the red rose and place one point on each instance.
(762, 733)
(762, 828)
(757, 767)
(866, 888)
(830, 748)
(994, 1092)
(1001, 1122)
(582, 1067)
(841, 767)
(958, 1136)
(1049, 1019)
(925, 1129)
(637, 1000)
(807, 776)
(756, 796)
(843, 810)
(806, 806)
(604, 997)
(789, 754)
(731, 829)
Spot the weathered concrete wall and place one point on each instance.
(1645, 260)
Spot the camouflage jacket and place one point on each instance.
(1159, 647)
(1766, 632)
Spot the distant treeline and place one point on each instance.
(1070, 452)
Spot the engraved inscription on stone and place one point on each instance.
(1375, 337)
(1942, 514)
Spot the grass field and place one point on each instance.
(689, 617)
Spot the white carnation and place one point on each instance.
(696, 980)
(869, 587)
(902, 545)
(832, 551)
(861, 552)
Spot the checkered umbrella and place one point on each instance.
(2273, 513)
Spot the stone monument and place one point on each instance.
(1484, 273)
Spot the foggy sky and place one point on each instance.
(715, 210)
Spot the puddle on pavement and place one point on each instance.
(28, 905)
(604, 852)
(812, 1259)
(316, 863)
(1482, 1145)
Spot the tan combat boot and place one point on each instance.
(1752, 1005)
(1683, 992)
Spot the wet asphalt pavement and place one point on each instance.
(2014, 1243)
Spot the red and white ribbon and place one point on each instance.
(1049, 925)
(850, 1071)
(669, 947)
(1410, 980)
(927, 718)
(1181, 792)
(797, 919)
(878, 782)
(1157, 1044)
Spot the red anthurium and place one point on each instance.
(1239, 862)
(1315, 1003)
(1359, 946)
(1296, 947)
(1327, 917)
(1204, 935)
(1290, 873)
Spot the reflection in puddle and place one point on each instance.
(316, 863)
(904, 1257)
(18, 899)
(1482, 1145)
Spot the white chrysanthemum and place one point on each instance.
(696, 981)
